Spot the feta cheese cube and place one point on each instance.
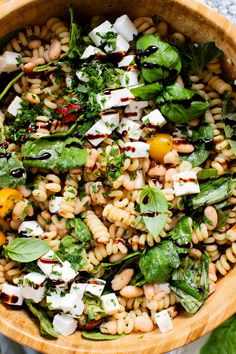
(30, 228)
(54, 204)
(65, 325)
(133, 113)
(95, 286)
(54, 301)
(98, 132)
(33, 286)
(90, 51)
(135, 103)
(12, 61)
(15, 106)
(137, 149)
(68, 273)
(185, 183)
(111, 119)
(105, 100)
(126, 61)
(78, 288)
(82, 76)
(130, 129)
(164, 322)
(129, 78)
(98, 32)
(48, 262)
(155, 117)
(72, 305)
(11, 295)
(110, 303)
(125, 26)
(120, 97)
(121, 45)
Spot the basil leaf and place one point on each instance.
(131, 257)
(207, 173)
(80, 230)
(222, 339)
(179, 114)
(157, 263)
(197, 157)
(204, 133)
(46, 327)
(181, 234)
(155, 224)
(137, 280)
(190, 303)
(176, 92)
(12, 172)
(147, 92)
(26, 250)
(100, 336)
(11, 83)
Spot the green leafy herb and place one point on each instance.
(204, 133)
(198, 156)
(229, 114)
(176, 92)
(138, 280)
(46, 327)
(157, 263)
(153, 206)
(207, 173)
(147, 92)
(25, 250)
(197, 56)
(132, 257)
(80, 229)
(11, 83)
(100, 336)
(110, 39)
(76, 49)
(181, 235)
(32, 267)
(222, 339)
(222, 217)
(12, 172)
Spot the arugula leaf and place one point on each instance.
(157, 263)
(11, 83)
(197, 157)
(100, 336)
(46, 327)
(207, 173)
(181, 235)
(229, 114)
(75, 49)
(222, 339)
(12, 172)
(153, 206)
(25, 250)
(80, 229)
(197, 56)
(147, 92)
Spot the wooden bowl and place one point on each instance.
(201, 24)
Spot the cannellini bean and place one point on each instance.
(143, 324)
(109, 327)
(158, 170)
(55, 49)
(122, 279)
(211, 217)
(130, 291)
(29, 67)
(182, 146)
(34, 44)
(116, 257)
(37, 61)
(32, 98)
(172, 157)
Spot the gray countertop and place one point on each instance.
(225, 7)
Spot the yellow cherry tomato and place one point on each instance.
(2, 238)
(8, 199)
(160, 145)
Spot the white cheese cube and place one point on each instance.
(110, 303)
(133, 113)
(12, 61)
(135, 103)
(98, 32)
(129, 78)
(185, 183)
(54, 301)
(11, 295)
(164, 322)
(33, 286)
(105, 100)
(30, 228)
(120, 97)
(15, 106)
(90, 51)
(78, 288)
(121, 45)
(48, 262)
(72, 305)
(98, 132)
(54, 204)
(95, 286)
(111, 119)
(126, 61)
(82, 76)
(137, 149)
(125, 26)
(65, 325)
(68, 273)
(155, 117)
(130, 129)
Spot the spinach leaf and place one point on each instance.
(190, 283)
(153, 206)
(157, 263)
(63, 155)
(222, 339)
(147, 92)
(181, 235)
(46, 327)
(161, 61)
(11, 83)
(100, 336)
(197, 157)
(212, 192)
(12, 172)
(207, 173)
(25, 250)
(178, 113)
(69, 250)
(80, 230)
(197, 56)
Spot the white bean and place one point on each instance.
(55, 49)
(182, 146)
(32, 98)
(34, 44)
(211, 217)
(143, 324)
(131, 291)
(122, 279)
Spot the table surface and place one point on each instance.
(228, 9)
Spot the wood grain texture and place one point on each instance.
(201, 24)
